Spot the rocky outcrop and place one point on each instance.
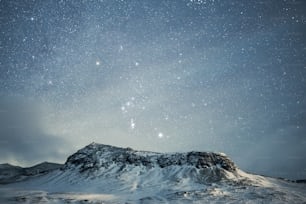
(96, 156)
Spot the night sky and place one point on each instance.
(159, 75)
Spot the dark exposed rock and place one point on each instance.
(301, 181)
(42, 168)
(95, 156)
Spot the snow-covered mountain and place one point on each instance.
(106, 174)
(10, 173)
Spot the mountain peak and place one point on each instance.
(96, 156)
(100, 173)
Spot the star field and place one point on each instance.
(163, 75)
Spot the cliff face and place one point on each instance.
(97, 159)
(96, 156)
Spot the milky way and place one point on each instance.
(206, 75)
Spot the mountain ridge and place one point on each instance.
(10, 173)
(94, 154)
(104, 173)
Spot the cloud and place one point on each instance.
(23, 140)
(279, 153)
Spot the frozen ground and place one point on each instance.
(106, 174)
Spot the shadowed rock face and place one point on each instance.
(95, 156)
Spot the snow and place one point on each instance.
(106, 174)
(46, 197)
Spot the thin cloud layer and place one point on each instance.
(23, 140)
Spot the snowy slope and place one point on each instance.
(10, 173)
(110, 174)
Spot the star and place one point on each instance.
(160, 135)
(132, 124)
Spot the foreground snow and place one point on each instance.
(106, 174)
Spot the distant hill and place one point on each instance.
(10, 173)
